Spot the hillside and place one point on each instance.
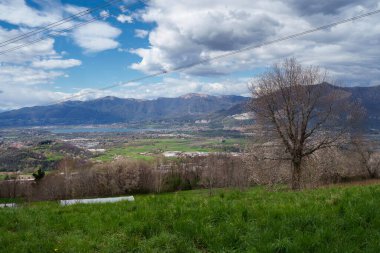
(117, 110)
(339, 219)
(38, 155)
(189, 107)
(369, 97)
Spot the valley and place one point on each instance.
(24, 150)
(189, 126)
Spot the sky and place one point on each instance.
(130, 39)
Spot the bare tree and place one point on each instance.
(368, 156)
(300, 112)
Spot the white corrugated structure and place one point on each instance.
(94, 201)
(8, 205)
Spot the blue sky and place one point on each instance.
(133, 38)
(102, 68)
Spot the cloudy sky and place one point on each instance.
(131, 38)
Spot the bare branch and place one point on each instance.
(303, 111)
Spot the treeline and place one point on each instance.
(77, 178)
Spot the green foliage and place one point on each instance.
(174, 182)
(7, 177)
(38, 175)
(324, 220)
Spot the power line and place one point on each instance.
(57, 23)
(52, 36)
(238, 51)
(48, 36)
(324, 27)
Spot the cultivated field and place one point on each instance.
(147, 149)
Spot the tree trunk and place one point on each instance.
(296, 175)
(372, 173)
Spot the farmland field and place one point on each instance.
(148, 148)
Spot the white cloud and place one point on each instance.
(74, 9)
(170, 87)
(125, 18)
(174, 87)
(139, 33)
(96, 37)
(19, 96)
(56, 63)
(14, 97)
(93, 37)
(104, 14)
(188, 32)
(17, 12)
(26, 74)
(23, 75)
(23, 54)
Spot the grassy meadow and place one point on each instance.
(338, 219)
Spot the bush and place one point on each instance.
(38, 175)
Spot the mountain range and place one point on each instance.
(109, 110)
(189, 107)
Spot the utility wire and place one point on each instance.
(52, 36)
(324, 27)
(57, 23)
(238, 51)
(47, 36)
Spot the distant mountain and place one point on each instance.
(118, 110)
(189, 107)
(369, 98)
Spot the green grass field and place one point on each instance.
(154, 147)
(339, 219)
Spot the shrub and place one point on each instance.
(38, 175)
